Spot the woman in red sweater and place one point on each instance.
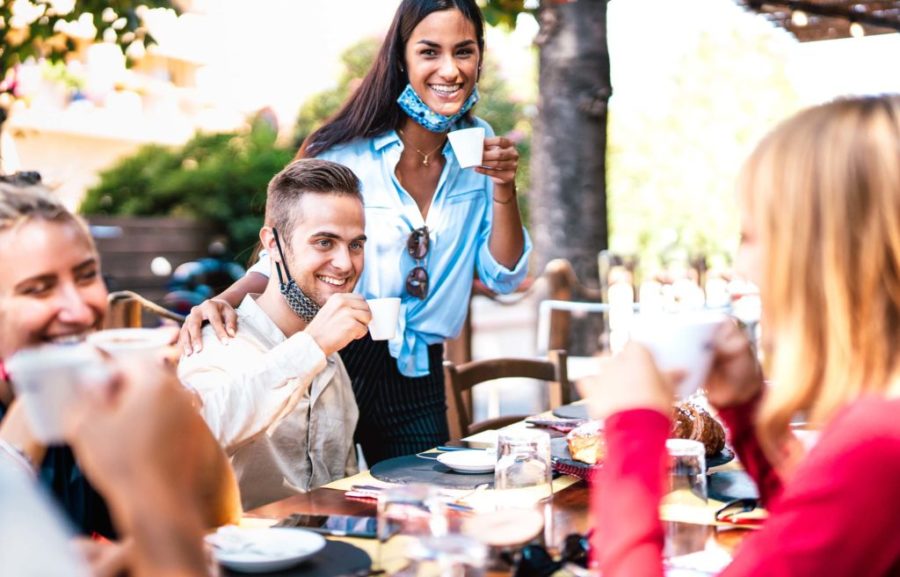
(820, 235)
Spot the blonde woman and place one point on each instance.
(821, 237)
(51, 291)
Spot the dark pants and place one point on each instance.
(398, 415)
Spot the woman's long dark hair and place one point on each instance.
(372, 109)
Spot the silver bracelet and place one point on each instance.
(18, 456)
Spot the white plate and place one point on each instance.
(469, 461)
(259, 550)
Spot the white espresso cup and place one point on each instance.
(49, 379)
(468, 146)
(385, 314)
(680, 342)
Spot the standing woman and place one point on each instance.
(820, 235)
(431, 225)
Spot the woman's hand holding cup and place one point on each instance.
(735, 376)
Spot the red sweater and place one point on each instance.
(838, 516)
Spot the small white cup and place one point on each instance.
(49, 379)
(385, 313)
(468, 146)
(126, 342)
(680, 341)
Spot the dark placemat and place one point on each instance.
(729, 485)
(726, 455)
(572, 411)
(414, 469)
(337, 558)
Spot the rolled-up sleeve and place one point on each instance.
(494, 275)
(245, 390)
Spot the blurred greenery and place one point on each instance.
(221, 178)
(216, 178)
(38, 34)
(674, 159)
(502, 12)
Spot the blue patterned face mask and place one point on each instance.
(303, 306)
(416, 109)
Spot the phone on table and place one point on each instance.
(337, 525)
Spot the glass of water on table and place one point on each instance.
(407, 513)
(521, 502)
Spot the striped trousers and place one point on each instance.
(398, 415)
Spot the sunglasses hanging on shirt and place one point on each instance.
(417, 246)
(303, 306)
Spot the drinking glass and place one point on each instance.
(449, 556)
(686, 490)
(404, 513)
(522, 479)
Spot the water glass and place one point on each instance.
(406, 513)
(686, 490)
(449, 556)
(523, 476)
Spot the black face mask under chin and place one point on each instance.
(303, 306)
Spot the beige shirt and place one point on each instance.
(283, 411)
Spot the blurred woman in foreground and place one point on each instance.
(820, 235)
(51, 291)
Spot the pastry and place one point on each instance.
(694, 422)
(586, 443)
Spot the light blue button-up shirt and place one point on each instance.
(459, 226)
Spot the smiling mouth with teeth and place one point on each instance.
(332, 281)
(68, 339)
(446, 89)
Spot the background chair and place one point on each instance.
(459, 380)
(127, 308)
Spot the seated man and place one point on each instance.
(277, 395)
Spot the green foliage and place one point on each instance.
(502, 12)
(215, 178)
(356, 61)
(37, 35)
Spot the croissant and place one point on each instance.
(586, 443)
(695, 423)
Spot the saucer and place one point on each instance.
(260, 550)
(474, 461)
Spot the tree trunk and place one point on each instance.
(568, 198)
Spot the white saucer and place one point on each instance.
(259, 550)
(473, 461)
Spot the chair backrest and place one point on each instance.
(459, 380)
(126, 310)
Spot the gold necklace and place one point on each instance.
(424, 155)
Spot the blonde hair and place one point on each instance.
(23, 204)
(823, 191)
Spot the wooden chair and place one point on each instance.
(557, 282)
(459, 380)
(126, 310)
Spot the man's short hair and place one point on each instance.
(307, 175)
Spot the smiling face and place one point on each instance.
(442, 60)
(50, 285)
(325, 251)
